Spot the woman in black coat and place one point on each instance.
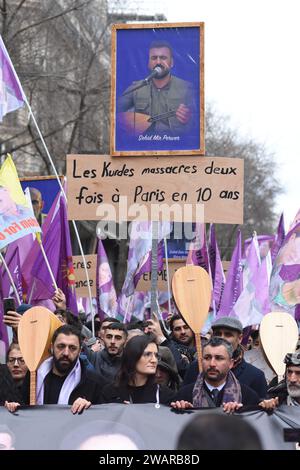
(136, 380)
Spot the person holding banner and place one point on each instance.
(63, 378)
(168, 101)
(135, 382)
(216, 386)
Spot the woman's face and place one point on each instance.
(147, 363)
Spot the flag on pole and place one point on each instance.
(57, 246)
(12, 260)
(106, 294)
(11, 93)
(234, 281)
(16, 216)
(253, 302)
(217, 272)
(140, 252)
(279, 237)
(285, 277)
(198, 254)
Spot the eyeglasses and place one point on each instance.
(12, 360)
(148, 354)
(34, 201)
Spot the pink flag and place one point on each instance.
(11, 94)
(252, 303)
(106, 293)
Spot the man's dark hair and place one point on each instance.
(174, 318)
(254, 334)
(67, 330)
(97, 325)
(117, 326)
(216, 341)
(209, 431)
(112, 319)
(158, 44)
(137, 325)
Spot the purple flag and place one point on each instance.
(198, 254)
(285, 277)
(57, 246)
(217, 273)
(139, 254)
(11, 94)
(35, 289)
(265, 243)
(279, 237)
(234, 281)
(106, 294)
(13, 263)
(250, 306)
(133, 306)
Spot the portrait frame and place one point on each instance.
(133, 130)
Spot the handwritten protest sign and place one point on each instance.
(206, 189)
(81, 282)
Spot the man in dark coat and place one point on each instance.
(63, 378)
(216, 385)
(231, 329)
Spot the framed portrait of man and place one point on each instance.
(157, 89)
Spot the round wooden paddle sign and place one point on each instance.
(191, 286)
(35, 332)
(279, 334)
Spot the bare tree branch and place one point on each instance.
(49, 18)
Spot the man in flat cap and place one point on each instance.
(231, 329)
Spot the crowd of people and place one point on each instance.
(142, 363)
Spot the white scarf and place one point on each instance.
(72, 380)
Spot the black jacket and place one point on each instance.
(144, 394)
(90, 387)
(246, 374)
(249, 396)
(8, 388)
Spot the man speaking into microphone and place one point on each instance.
(161, 104)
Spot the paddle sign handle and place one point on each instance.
(32, 388)
(199, 350)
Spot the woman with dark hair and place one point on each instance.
(136, 380)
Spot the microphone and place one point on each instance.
(156, 72)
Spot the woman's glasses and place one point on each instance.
(12, 360)
(148, 354)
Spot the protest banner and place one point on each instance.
(80, 276)
(102, 187)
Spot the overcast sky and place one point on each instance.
(252, 74)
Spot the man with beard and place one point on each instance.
(287, 392)
(63, 378)
(216, 385)
(231, 329)
(167, 100)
